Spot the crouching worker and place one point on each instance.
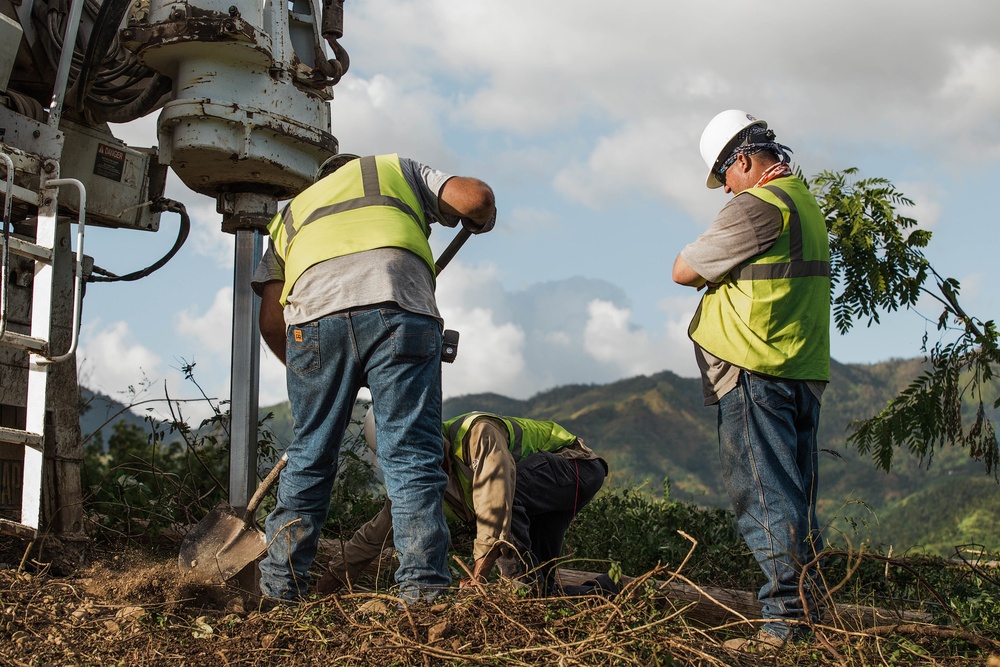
(520, 481)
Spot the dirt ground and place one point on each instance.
(135, 609)
(129, 608)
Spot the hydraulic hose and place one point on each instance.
(182, 234)
(106, 23)
(143, 100)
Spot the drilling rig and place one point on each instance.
(243, 91)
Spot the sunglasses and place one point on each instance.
(721, 173)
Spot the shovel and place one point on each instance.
(452, 249)
(223, 543)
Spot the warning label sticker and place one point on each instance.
(110, 162)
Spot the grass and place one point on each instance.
(133, 609)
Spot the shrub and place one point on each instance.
(637, 532)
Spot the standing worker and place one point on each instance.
(520, 481)
(762, 342)
(347, 300)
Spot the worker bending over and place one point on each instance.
(520, 481)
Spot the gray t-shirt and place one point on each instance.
(382, 275)
(746, 227)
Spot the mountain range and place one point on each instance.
(657, 435)
(655, 432)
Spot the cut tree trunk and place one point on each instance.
(718, 606)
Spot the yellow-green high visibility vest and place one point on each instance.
(366, 204)
(524, 437)
(771, 315)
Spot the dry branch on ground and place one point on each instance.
(130, 610)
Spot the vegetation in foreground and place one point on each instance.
(878, 266)
(133, 608)
(130, 605)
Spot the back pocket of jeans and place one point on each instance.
(413, 337)
(302, 349)
(416, 346)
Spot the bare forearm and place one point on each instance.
(685, 275)
(468, 198)
(272, 319)
(276, 344)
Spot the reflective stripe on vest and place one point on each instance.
(366, 204)
(772, 315)
(796, 267)
(372, 197)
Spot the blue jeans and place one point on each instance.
(398, 355)
(767, 445)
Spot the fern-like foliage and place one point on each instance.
(877, 265)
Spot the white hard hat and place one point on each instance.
(717, 136)
(369, 429)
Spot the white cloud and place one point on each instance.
(979, 291)
(926, 209)
(213, 328)
(490, 350)
(970, 95)
(272, 389)
(972, 77)
(558, 68)
(573, 330)
(137, 133)
(611, 338)
(491, 360)
(389, 113)
(208, 339)
(111, 361)
(639, 158)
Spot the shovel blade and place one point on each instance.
(220, 546)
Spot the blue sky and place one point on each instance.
(584, 117)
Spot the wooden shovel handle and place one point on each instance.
(452, 249)
(265, 486)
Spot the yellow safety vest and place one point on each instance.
(771, 315)
(366, 204)
(524, 437)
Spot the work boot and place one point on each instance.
(762, 642)
(329, 584)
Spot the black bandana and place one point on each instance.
(752, 140)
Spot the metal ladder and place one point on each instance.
(37, 343)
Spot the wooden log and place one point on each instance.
(718, 606)
(709, 605)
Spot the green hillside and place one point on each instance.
(655, 428)
(648, 428)
(99, 413)
(951, 512)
